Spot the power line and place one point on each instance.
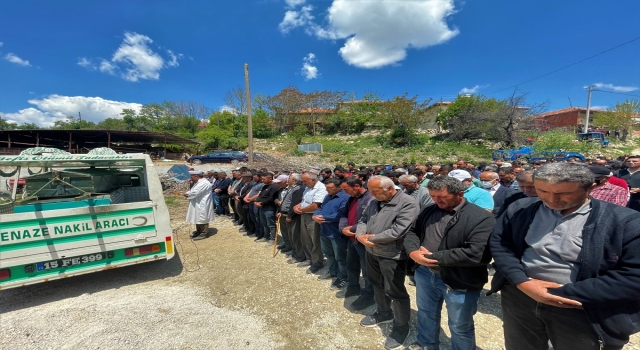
(565, 67)
(617, 93)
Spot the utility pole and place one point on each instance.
(249, 123)
(80, 117)
(586, 123)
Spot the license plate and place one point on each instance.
(66, 262)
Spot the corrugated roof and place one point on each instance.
(88, 138)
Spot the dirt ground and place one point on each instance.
(222, 292)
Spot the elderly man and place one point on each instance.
(247, 183)
(254, 211)
(449, 243)
(567, 266)
(412, 187)
(473, 194)
(382, 229)
(332, 241)
(604, 190)
(491, 182)
(284, 204)
(200, 210)
(312, 197)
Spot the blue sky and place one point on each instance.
(59, 58)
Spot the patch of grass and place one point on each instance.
(173, 201)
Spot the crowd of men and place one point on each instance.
(564, 239)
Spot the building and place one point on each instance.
(569, 118)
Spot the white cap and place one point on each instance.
(196, 172)
(281, 178)
(460, 174)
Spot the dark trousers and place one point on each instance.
(387, 277)
(248, 223)
(310, 233)
(529, 325)
(336, 252)
(356, 262)
(296, 239)
(238, 212)
(268, 221)
(224, 204)
(284, 231)
(254, 214)
(202, 229)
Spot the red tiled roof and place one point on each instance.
(565, 110)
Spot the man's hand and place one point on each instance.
(186, 195)
(538, 291)
(296, 209)
(347, 232)
(634, 190)
(364, 239)
(278, 215)
(419, 257)
(319, 219)
(257, 204)
(289, 219)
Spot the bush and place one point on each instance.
(297, 153)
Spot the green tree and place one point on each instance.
(402, 115)
(112, 124)
(468, 116)
(27, 126)
(298, 133)
(622, 117)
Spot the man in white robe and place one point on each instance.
(200, 210)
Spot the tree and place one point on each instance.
(112, 124)
(402, 115)
(236, 99)
(468, 116)
(511, 117)
(623, 117)
(285, 106)
(71, 123)
(27, 126)
(298, 133)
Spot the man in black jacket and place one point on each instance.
(568, 266)
(249, 228)
(266, 201)
(449, 243)
(527, 190)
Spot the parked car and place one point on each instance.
(594, 136)
(530, 154)
(220, 157)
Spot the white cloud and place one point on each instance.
(1, 43)
(615, 88)
(378, 33)
(294, 3)
(226, 108)
(293, 19)
(50, 109)
(17, 60)
(134, 60)
(602, 108)
(106, 67)
(473, 90)
(308, 69)
(84, 62)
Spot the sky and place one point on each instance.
(58, 58)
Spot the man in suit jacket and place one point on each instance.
(491, 182)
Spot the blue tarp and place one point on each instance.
(179, 172)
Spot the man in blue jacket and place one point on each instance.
(332, 241)
(568, 266)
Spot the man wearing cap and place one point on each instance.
(605, 191)
(632, 176)
(200, 210)
(412, 187)
(473, 194)
(284, 204)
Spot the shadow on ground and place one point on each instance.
(23, 297)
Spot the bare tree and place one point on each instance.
(236, 99)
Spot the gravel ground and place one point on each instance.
(225, 292)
